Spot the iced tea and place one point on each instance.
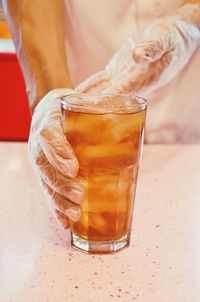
(108, 147)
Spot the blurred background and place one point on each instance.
(14, 111)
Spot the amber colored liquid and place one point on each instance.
(108, 149)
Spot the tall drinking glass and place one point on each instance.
(106, 133)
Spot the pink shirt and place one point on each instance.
(97, 29)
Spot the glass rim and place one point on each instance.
(136, 103)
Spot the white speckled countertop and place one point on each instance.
(162, 263)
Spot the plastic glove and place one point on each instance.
(53, 159)
(167, 45)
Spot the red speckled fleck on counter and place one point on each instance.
(162, 263)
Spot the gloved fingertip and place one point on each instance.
(72, 167)
(73, 213)
(68, 167)
(75, 195)
(63, 222)
(79, 196)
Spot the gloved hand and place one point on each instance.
(165, 47)
(53, 159)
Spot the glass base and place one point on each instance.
(96, 247)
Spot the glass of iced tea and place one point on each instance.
(106, 133)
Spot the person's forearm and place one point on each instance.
(37, 28)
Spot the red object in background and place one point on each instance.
(14, 110)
